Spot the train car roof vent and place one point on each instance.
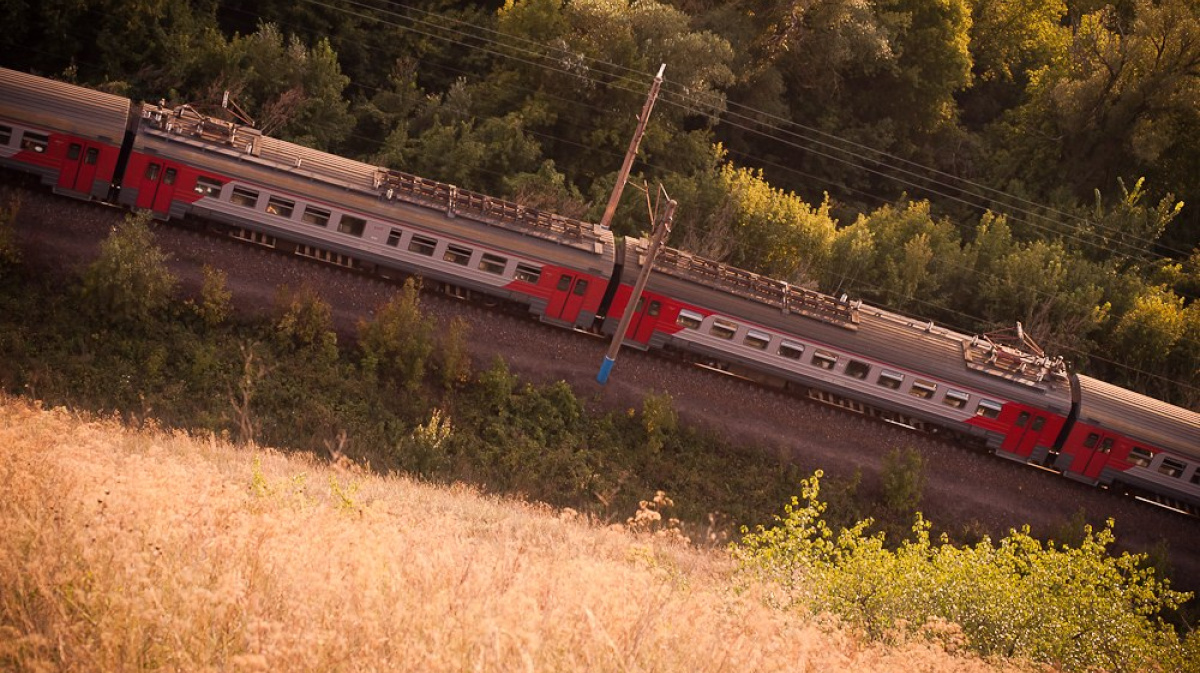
(755, 287)
(407, 188)
(1013, 355)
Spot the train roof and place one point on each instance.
(888, 338)
(63, 107)
(1140, 417)
(184, 126)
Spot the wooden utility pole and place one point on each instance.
(623, 176)
(660, 234)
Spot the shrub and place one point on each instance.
(129, 283)
(1076, 608)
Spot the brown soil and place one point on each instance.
(971, 489)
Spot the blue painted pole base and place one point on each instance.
(605, 368)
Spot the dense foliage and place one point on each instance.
(1078, 608)
(977, 162)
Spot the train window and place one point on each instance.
(1196, 476)
(987, 409)
(35, 142)
(457, 254)
(73, 151)
(1038, 423)
(581, 287)
(655, 309)
(528, 273)
(208, 186)
(757, 340)
(352, 225)
(858, 370)
(152, 171)
(1172, 467)
(1106, 445)
(564, 283)
(956, 398)
(393, 238)
(5, 134)
(689, 319)
(492, 263)
(824, 359)
(315, 216)
(422, 245)
(791, 350)
(1140, 456)
(241, 196)
(1093, 438)
(723, 329)
(92, 155)
(280, 207)
(923, 389)
(890, 379)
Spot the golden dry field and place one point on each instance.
(125, 551)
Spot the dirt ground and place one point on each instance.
(963, 486)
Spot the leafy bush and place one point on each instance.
(1077, 608)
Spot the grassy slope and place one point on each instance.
(130, 551)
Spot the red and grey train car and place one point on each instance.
(176, 163)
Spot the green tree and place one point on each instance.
(399, 341)
(1120, 103)
(129, 283)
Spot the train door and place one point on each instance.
(645, 318)
(79, 167)
(568, 297)
(157, 187)
(1090, 461)
(1027, 429)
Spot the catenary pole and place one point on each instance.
(660, 234)
(623, 176)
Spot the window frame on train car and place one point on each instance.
(280, 207)
(243, 196)
(394, 236)
(689, 319)
(422, 245)
(318, 217)
(1196, 477)
(956, 399)
(457, 254)
(892, 380)
(352, 225)
(490, 262)
(988, 409)
(92, 155)
(857, 369)
(35, 142)
(1091, 440)
(723, 328)
(527, 273)
(792, 350)
(922, 389)
(1172, 467)
(6, 134)
(1140, 456)
(581, 287)
(206, 186)
(824, 359)
(152, 171)
(757, 339)
(1106, 445)
(73, 151)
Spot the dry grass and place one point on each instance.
(123, 551)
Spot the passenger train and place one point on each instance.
(176, 163)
